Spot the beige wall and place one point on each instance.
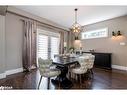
(14, 31)
(2, 43)
(110, 45)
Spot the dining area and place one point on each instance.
(62, 49)
(64, 68)
(42, 56)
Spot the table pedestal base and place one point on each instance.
(65, 83)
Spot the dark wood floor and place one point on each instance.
(103, 79)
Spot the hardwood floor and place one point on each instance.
(103, 79)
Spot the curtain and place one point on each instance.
(29, 45)
(70, 39)
(61, 46)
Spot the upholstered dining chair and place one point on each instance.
(82, 69)
(91, 64)
(46, 70)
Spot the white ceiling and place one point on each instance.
(64, 15)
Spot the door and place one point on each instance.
(47, 43)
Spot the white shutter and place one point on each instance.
(48, 44)
(54, 46)
(43, 46)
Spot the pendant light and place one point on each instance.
(76, 27)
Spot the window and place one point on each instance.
(54, 46)
(43, 46)
(95, 34)
(47, 43)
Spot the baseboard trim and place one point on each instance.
(119, 67)
(2, 75)
(13, 71)
(9, 72)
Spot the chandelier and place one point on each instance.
(76, 27)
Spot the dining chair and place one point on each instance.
(46, 70)
(91, 64)
(82, 69)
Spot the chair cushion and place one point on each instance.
(51, 73)
(78, 70)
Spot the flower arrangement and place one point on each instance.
(71, 49)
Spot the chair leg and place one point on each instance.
(73, 76)
(59, 84)
(70, 75)
(48, 86)
(76, 76)
(39, 82)
(92, 72)
(80, 79)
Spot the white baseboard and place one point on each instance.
(9, 72)
(2, 75)
(119, 67)
(13, 71)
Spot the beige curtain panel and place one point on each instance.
(29, 44)
(61, 45)
(71, 39)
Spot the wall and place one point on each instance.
(14, 32)
(109, 44)
(2, 44)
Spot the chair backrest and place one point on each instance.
(83, 60)
(83, 63)
(86, 61)
(91, 58)
(44, 65)
(91, 61)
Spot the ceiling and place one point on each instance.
(64, 15)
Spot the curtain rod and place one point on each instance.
(36, 20)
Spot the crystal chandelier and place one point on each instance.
(76, 27)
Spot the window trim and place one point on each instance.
(48, 33)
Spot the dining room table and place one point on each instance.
(63, 64)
